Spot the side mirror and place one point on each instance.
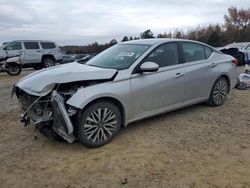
(149, 67)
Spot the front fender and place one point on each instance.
(80, 99)
(118, 90)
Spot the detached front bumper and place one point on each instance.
(62, 124)
(46, 112)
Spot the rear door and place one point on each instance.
(33, 52)
(199, 74)
(162, 90)
(51, 49)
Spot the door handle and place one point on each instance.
(213, 65)
(178, 75)
(38, 51)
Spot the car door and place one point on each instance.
(159, 91)
(14, 49)
(199, 74)
(32, 53)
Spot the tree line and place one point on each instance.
(236, 28)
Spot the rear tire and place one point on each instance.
(48, 62)
(98, 124)
(219, 92)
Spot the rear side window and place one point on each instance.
(14, 46)
(48, 45)
(165, 55)
(208, 51)
(31, 45)
(193, 52)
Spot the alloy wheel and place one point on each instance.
(220, 91)
(48, 63)
(100, 125)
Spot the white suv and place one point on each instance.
(36, 54)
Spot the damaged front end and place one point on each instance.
(48, 113)
(43, 96)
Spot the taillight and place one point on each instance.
(235, 61)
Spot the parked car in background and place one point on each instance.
(241, 51)
(127, 82)
(79, 56)
(85, 59)
(33, 53)
(66, 58)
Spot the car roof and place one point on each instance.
(156, 41)
(32, 41)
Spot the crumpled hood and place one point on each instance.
(39, 82)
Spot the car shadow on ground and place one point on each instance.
(174, 113)
(138, 125)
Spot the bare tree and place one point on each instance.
(147, 34)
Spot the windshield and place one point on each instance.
(119, 57)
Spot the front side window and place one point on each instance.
(120, 56)
(14, 46)
(31, 45)
(193, 52)
(165, 55)
(48, 45)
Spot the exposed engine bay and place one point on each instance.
(44, 99)
(50, 113)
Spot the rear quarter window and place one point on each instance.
(48, 45)
(31, 45)
(208, 51)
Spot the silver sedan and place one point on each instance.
(127, 82)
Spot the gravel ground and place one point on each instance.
(199, 146)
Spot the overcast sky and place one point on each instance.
(85, 21)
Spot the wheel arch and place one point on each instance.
(48, 55)
(113, 100)
(227, 78)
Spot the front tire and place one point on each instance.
(219, 92)
(98, 124)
